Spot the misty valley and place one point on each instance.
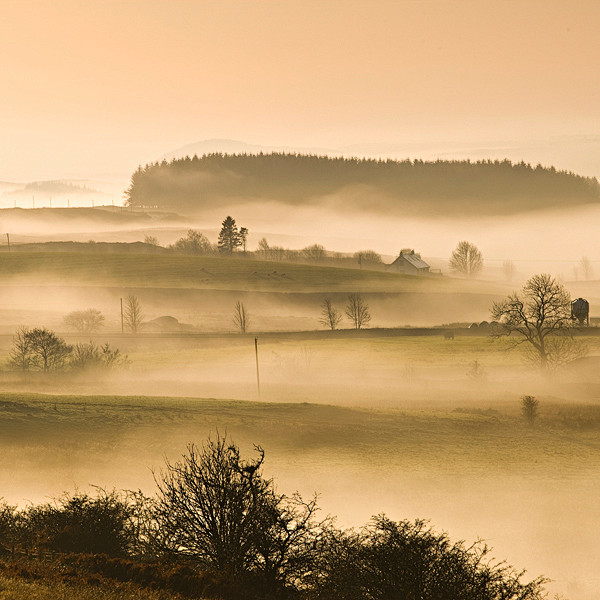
(166, 366)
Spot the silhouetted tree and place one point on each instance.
(244, 237)
(41, 349)
(241, 318)
(357, 311)
(219, 510)
(84, 321)
(466, 259)
(330, 316)
(132, 313)
(229, 236)
(20, 354)
(540, 318)
(529, 408)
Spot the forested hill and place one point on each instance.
(397, 187)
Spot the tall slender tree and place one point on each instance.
(229, 236)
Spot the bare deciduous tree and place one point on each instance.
(151, 239)
(84, 321)
(540, 318)
(466, 259)
(330, 316)
(39, 349)
(241, 318)
(357, 311)
(132, 313)
(219, 510)
(367, 257)
(20, 354)
(314, 253)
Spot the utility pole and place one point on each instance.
(122, 328)
(8, 241)
(33, 201)
(257, 373)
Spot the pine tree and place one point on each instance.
(229, 237)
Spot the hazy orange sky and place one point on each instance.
(101, 86)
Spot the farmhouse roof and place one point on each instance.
(413, 259)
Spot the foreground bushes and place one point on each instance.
(218, 529)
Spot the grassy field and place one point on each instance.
(474, 470)
(139, 270)
(12, 588)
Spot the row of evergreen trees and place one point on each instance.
(220, 180)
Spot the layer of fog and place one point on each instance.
(538, 518)
(553, 241)
(547, 524)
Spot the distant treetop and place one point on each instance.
(385, 186)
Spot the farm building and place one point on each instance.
(409, 263)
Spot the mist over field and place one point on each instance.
(391, 418)
(360, 236)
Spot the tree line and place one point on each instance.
(232, 241)
(225, 531)
(197, 183)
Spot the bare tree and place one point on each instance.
(466, 259)
(357, 311)
(367, 257)
(241, 318)
(39, 349)
(20, 354)
(540, 318)
(314, 253)
(132, 313)
(330, 316)
(219, 510)
(529, 409)
(151, 239)
(84, 321)
(194, 243)
(509, 270)
(586, 268)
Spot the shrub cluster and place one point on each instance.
(217, 528)
(40, 349)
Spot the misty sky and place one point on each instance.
(97, 87)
